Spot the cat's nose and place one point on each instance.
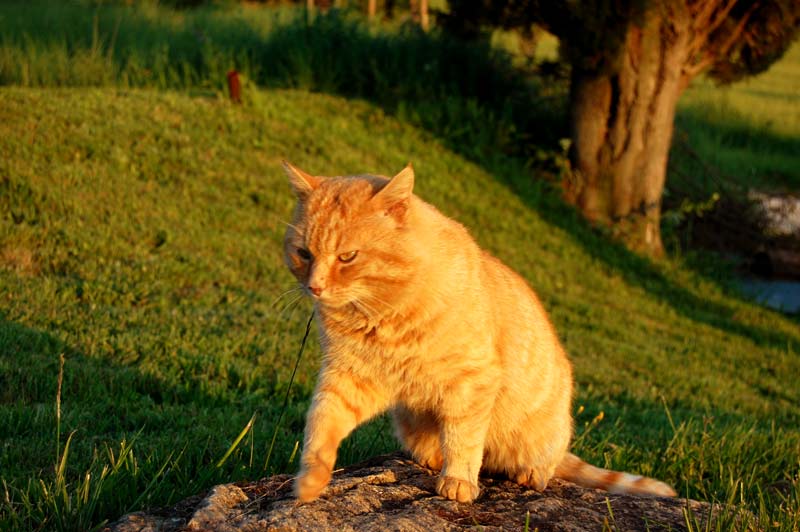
(316, 290)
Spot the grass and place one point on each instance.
(140, 238)
(728, 141)
(146, 248)
(472, 97)
(748, 131)
(468, 94)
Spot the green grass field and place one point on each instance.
(749, 131)
(730, 140)
(140, 238)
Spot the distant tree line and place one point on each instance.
(418, 9)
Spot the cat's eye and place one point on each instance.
(304, 254)
(348, 257)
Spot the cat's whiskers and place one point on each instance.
(369, 299)
(284, 294)
(363, 307)
(286, 313)
(287, 224)
(289, 305)
(382, 301)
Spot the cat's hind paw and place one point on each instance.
(533, 478)
(456, 489)
(434, 462)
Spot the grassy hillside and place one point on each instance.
(140, 237)
(749, 131)
(472, 97)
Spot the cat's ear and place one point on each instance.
(395, 196)
(302, 183)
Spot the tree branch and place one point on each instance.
(711, 55)
(714, 24)
(705, 22)
(702, 16)
(737, 31)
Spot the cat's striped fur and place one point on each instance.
(415, 318)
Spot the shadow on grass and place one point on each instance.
(466, 93)
(640, 271)
(108, 407)
(99, 402)
(105, 403)
(724, 148)
(135, 440)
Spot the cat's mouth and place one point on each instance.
(338, 303)
(325, 298)
(359, 301)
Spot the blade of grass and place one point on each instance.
(58, 407)
(236, 442)
(288, 389)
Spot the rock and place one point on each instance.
(777, 218)
(394, 493)
(780, 213)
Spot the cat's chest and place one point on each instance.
(402, 373)
(382, 354)
(378, 337)
(415, 372)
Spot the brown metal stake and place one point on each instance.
(234, 87)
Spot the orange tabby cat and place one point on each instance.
(415, 317)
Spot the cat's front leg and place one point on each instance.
(463, 437)
(341, 402)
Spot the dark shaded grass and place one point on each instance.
(466, 93)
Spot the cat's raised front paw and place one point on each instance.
(456, 489)
(311, 482)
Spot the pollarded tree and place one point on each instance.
(630, 61)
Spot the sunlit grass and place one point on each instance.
(749, 132)
(141, 238)
(770, 100)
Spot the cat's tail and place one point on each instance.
(576, 470)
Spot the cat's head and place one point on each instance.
(349, 241)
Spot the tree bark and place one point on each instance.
(424, 21)
(622, 122)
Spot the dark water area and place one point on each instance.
(780, 295)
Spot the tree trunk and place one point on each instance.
(389, 7)
(413, 8)
(622, 122)
(423, 15)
